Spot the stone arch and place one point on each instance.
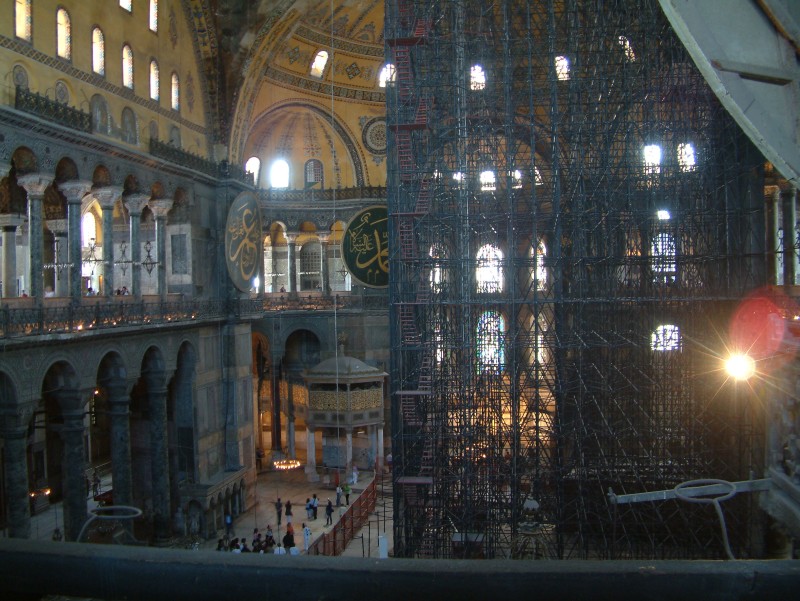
(181, 410)
(101, 177)
(64, 404)
(24, 161)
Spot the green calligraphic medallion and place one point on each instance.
(243, 241)
(365, 247)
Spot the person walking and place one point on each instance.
(315, 505)
(355, 474)
(279, 510)
(306, 537)
(347, 493)
(309, 509)
(329, 513)
(338, 496)
(288, 512)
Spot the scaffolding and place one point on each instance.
(573, 218)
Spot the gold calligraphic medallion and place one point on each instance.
(243, 241)
(365, 247)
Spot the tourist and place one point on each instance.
(329, 513)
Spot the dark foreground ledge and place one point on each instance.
(31, 569)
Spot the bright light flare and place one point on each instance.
(740, 366)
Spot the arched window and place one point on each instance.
(489, 271)
(537, 177)
(539, 255)
(98, 52)
(253, 165)
(155, 81)
(63, 34)
(488, 180)
(662, 258)
(652, 159)
(477, 78)
(127, 66)
(88, 230)
(99, 109)
(387, 75)
(310, 266)
(153, 15)
(489, 337)
(279, 174)
(686, 158)
(562, 68)
(437, 253)
(153, 130)
(23, 19)
(129, 127)
(318, 66)
(516, 179)
(175, 136)
(625, 43)
(666, 337)
(313, 173)
(176, 92)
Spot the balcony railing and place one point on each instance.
(21, 317)
(326, 195)
(51, 110)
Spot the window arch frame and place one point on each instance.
(23, 20)
(490, 342)
(387, 75)
(279, 162)
(248, 168)
(489, 261)
(477, 77)
(317, 173)
(63, 34)
(98, 51)
(175, 92)
(155, 80)
(127, 66)
(317, 71)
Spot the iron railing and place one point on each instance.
(25, 317)
(52, 110)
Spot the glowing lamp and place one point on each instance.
(740, 366)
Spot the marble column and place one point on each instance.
(119, 411)
(789, 200)
(107, 197)
(324, 240)
(72, 403)
(291, 266)
(274, 266)
(60, 274)
(771, 199)
(35, 184)
(135, 204)
(10, 223)
(14, 431)
(159, 452)
(379, 450)
(75, 191)
(276, 401)
(160, 208)
(348, 451)
(311, 455)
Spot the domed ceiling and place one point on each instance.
(277, 108)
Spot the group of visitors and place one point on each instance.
(261, 543)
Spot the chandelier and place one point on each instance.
(286, 464)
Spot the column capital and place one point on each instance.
(324, 238)
(75, 190)
(107, 196)
(291, 237)
(14, 419)
(35, 183)
(57, 226)
(136, 202)
(160, 207)
(8, 220)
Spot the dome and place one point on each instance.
(344, 367)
